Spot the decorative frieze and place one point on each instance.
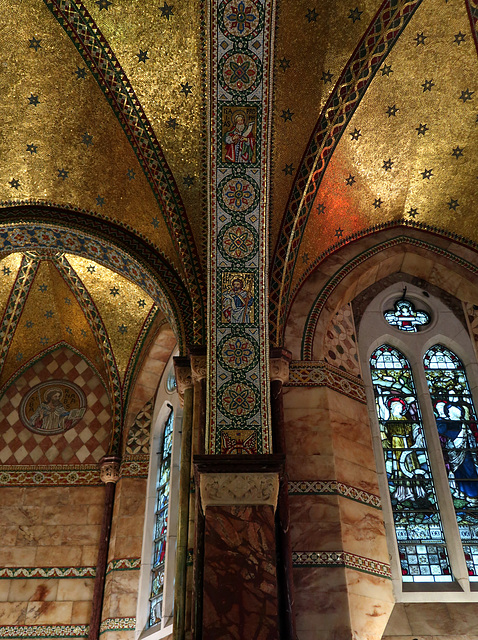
(134, 466)
(124, 564)
(333, 488)
(239, 489)
(118, 624)
(44, 631)
(26, 476)
(308, 373)
(47, 572)
(340, 559)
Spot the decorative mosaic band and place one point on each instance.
(44, 631)
(333, 488)
(306, 373)
(47, 572)
(137, 467)
(124, 564)
(238, 363)
(118, 624)
(16, 476)
(324, 294)
(340, 559)
(376, 43)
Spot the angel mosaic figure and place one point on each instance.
(405, 318)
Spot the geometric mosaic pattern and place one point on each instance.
(340, 559)
(44, 631)
(118, 624)
(137, 441)
(333, 488)
(309, 373)
(85, 443)
(377, 41)
(340, 343)
(238, 386)
(87, 475)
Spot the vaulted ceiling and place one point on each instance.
(104, 110)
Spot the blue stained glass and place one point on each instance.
(418, 526)
(456, 423)
(161, 524)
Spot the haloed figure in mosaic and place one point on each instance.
(51, 416)
(239, 140)
(237, 303)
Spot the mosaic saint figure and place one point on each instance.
(237, 303)
(51, 416)
(240, 140)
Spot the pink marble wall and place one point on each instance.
(240, 591)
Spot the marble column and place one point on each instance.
(279, 375)
(238, 497)
(109, 473)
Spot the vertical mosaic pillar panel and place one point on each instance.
(238, 359)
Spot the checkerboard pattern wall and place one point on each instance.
(85, 443)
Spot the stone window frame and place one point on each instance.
(165, 401)
(448, 329)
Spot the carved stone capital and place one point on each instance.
(279, 364)
(198, 367)
(220, 489)
(182, 370)
(110, 469)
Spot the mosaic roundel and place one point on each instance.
(237, 241)
(52, 407)
(238, 400)
(241, 19)
(239, 71)
(238, 195)
(237, 353)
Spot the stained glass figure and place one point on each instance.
(161, 524)
(457, 428)
(418, 526)
(404, 316)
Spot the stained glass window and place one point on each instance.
(418, 525)
(404, 316)
(161, 524)
(457, 428)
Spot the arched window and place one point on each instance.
(456, 423)
(418, 526)
(161, 523)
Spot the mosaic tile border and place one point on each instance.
(238, 396)
(323, 295)
(307, 373)
(134, 467)
(93, 47)
(334, 488)
(377, 41)
(44, 631)
(12, 573)
(118, 624)
(31, 476)
(341, 559)
(124, 564)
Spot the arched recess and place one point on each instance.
(354, 267)
(41, 228)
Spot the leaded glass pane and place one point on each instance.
(161, 524)
(456, 423)
(418, 526)
(405, 317)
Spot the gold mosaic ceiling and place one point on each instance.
(62, 142)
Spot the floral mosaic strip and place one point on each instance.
(238, 386)
(377, 41)
(47, 572)
(135, 466)
(340, 559)
(118, 624)
(91, 44)
(16, 476)
(324, 294)
(333, 488)
(124, 564)
(44, 631)
(321, 374)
